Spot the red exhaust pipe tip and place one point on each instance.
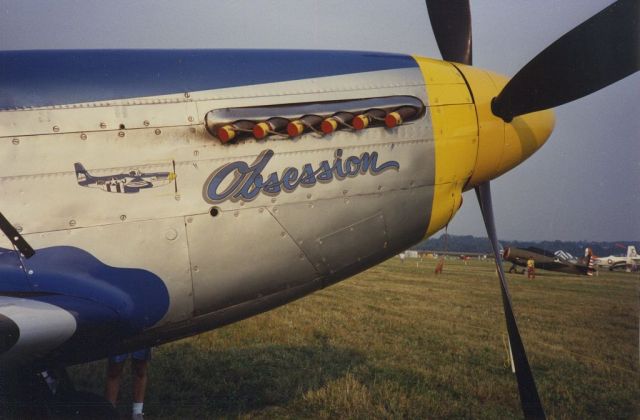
(226, 133)
(261, 130)
(393, 119)
(329, 125)
(360, 122)
(295, 128)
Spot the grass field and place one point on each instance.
(399, 342)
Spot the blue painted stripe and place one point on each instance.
(46, 78)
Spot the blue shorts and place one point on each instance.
(144, 354)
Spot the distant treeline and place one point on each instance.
(468, 243)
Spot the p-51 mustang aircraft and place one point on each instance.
(294, 171)
(547, 260)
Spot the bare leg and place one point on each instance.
(139, 370)
(114, 373)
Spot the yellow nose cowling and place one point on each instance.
(502, 146)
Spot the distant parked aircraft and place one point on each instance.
(612, 262)
(546, 260)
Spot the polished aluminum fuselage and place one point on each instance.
(225, 260)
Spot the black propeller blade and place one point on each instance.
(531, 406)
(595, 54)
(451, 24)
(16, 239)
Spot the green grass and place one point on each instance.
(399, 342)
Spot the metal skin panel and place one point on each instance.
(257, 253)
(37, 176)
(349, 86)
(93, 118)
(106, 151)
(353, 243)
(159, 246)
(240, 256)
(380, 227)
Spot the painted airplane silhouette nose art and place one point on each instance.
(126, 182)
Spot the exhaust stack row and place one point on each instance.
(319, 124)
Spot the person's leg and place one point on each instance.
(114, 373)
(139, 370)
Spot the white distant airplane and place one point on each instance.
(616, 262)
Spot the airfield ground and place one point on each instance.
(399, 342)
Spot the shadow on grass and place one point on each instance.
(187, 379)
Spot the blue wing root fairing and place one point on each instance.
(108, 303)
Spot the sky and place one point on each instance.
(584, 184)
